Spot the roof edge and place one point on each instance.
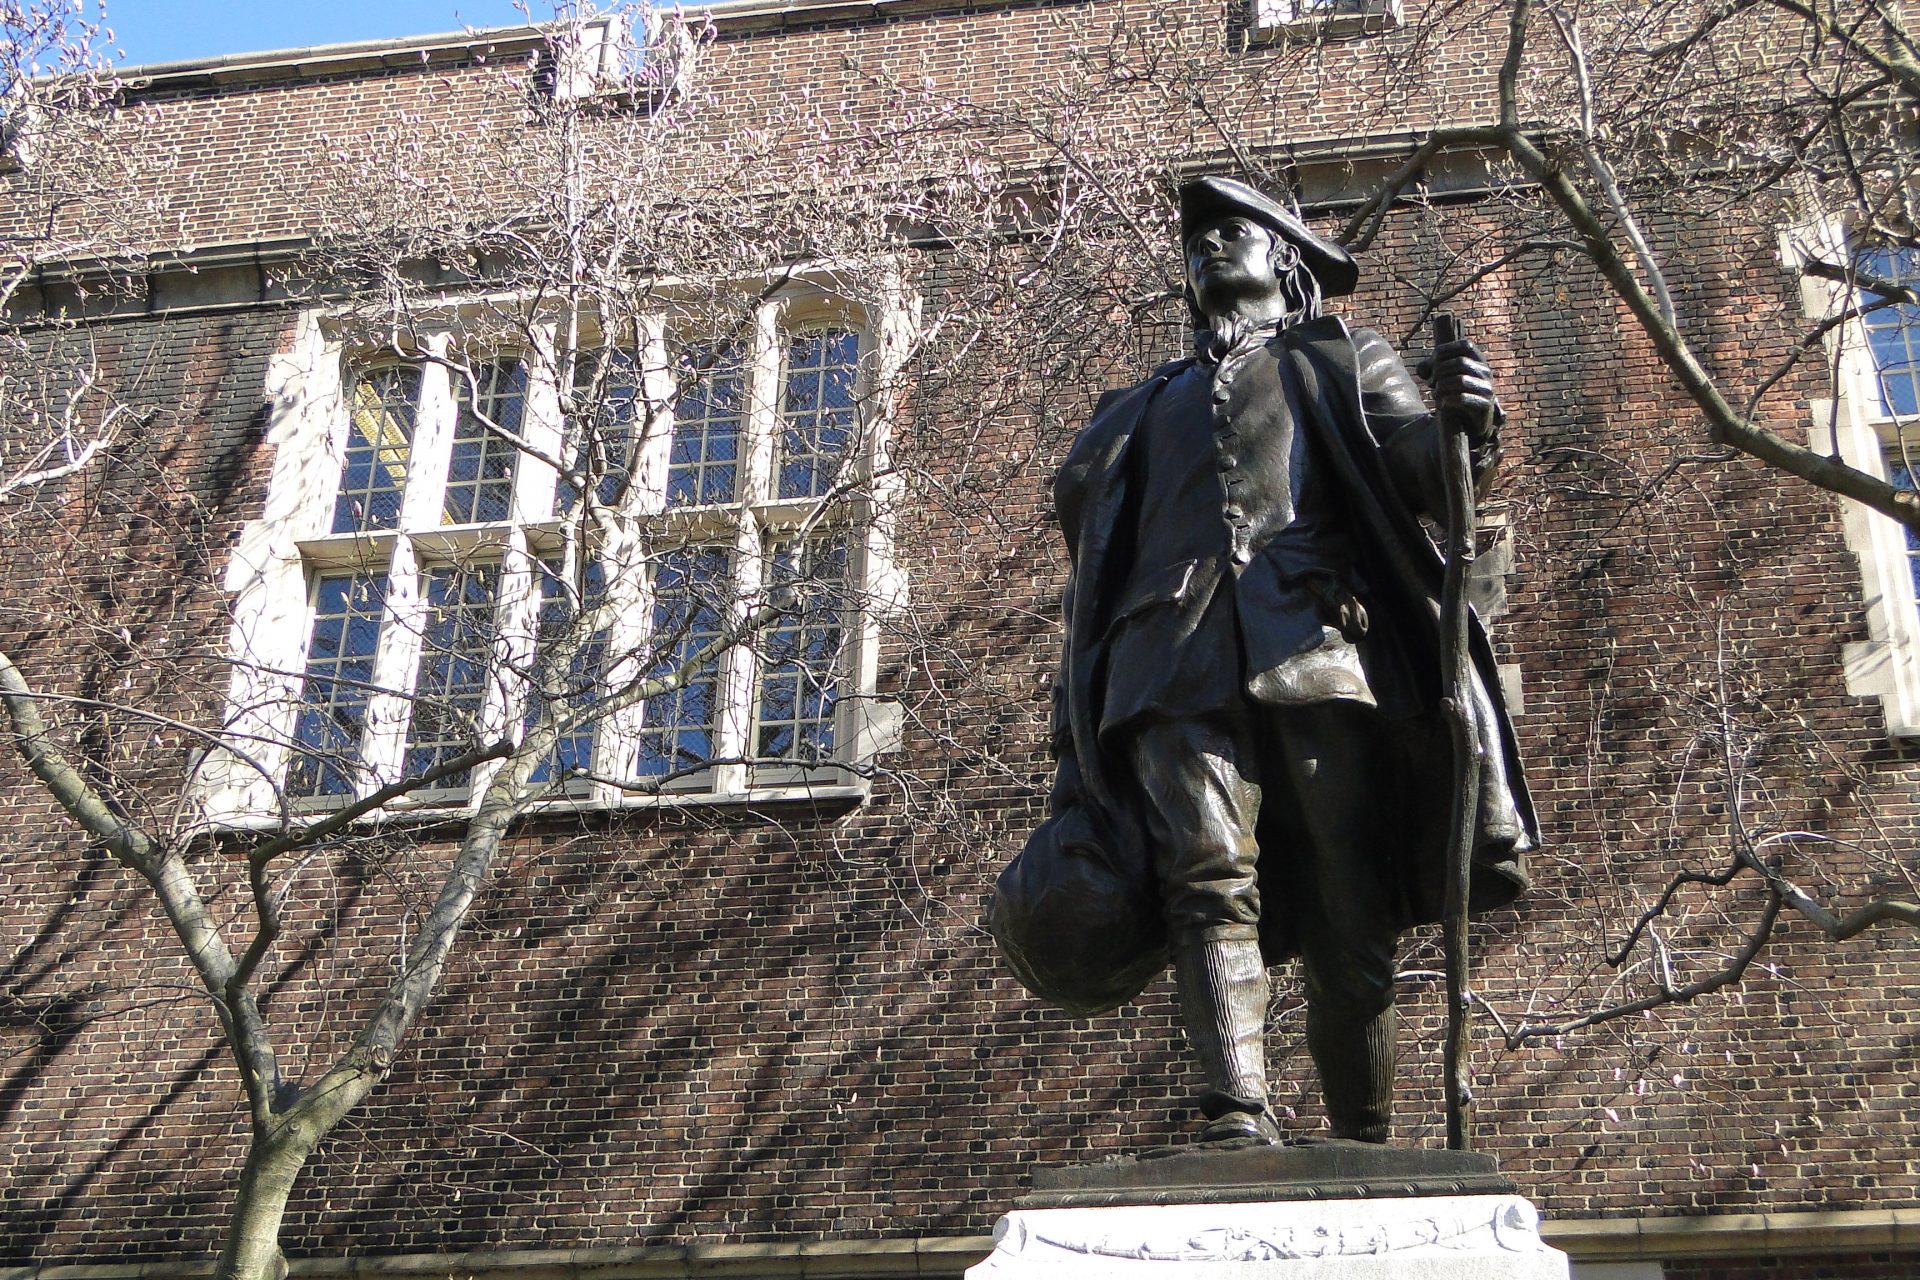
(399, 50)
(244, 65)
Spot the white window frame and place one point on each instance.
(1313, 19)
(1853, 425)
(279, 558)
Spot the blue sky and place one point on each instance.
(168, 30)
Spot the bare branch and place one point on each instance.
(344, 817)
(1727, 426)
(1727, 975)
(162, 868)
(75, 462)
(1603, 172)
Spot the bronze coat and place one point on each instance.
(1378, 438)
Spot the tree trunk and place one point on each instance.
(252, 1249)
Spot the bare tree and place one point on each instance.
(1640, 144)
(622, 272)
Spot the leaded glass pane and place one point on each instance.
(1893, 333)
(333, 697)
(795, 664)
(703, 463)
(606, 393)
(817, 418)
(383, 407)
(800, 653)
(450, 689)
(480, 470)
(576, 688)
(692, 592)
(1903, 478)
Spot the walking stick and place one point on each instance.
(1459, 709)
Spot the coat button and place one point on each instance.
(1228, 462)
(1233, 511)
(1220, 395)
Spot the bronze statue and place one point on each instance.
(1251, 760)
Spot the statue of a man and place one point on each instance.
(1252, 673)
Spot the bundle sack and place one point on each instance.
(1078, 923)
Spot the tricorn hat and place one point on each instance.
(1203, 200)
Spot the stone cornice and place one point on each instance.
(1329, 174)
(1724, 1235)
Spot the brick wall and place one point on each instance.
(700, 1026)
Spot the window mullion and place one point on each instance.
(397, 655)
(739, 667)
(541, 428)
(763, 410)
(517, 622)
(433, 442)
(631, 595)
(653, 423)
(403, 632)
(624, 557)
(740, 671)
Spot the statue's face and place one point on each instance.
(1230, 262)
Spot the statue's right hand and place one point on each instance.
(1340, 608)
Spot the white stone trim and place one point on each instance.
(1483, 1237)
(1887, 664)
(275, 561)
(266, 577)
(1302, 20)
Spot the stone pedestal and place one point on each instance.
(1326, 1211)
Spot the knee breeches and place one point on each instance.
(1286, 810)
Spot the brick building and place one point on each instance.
(724, 1006)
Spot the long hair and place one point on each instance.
(1214, 337)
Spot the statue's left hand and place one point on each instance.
(1463, 391)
